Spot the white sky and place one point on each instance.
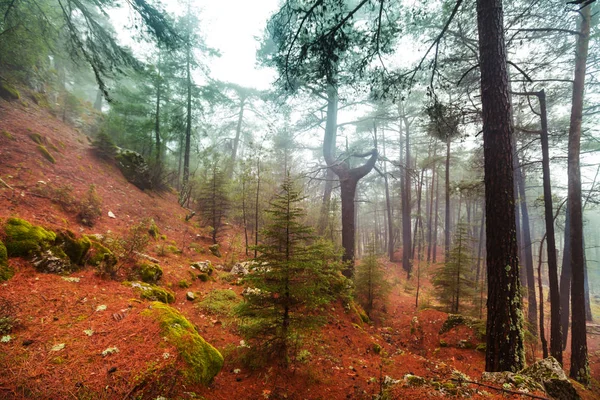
(232, 26)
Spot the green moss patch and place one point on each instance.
(203, 361)
(220, 302)
(8, 92)
(23, 239)
(149, 273)
(75, 249)
(36, 138)
(100, 254)
(152, 292)
(44, 151)
(6, 272)
(8, 135)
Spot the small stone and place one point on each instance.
(190, 296)
(111, 215)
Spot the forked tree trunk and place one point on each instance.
(348, 177)
(505, 349)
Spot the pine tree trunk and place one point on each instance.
(541, 289)
(527, 251)
(388, 205)
(184, 195)
(579, 358)
(447, 220)
(436, 220)
(236, 141)
(565, 281)
(505, 349)
(556, 337)
(157, 122)
(430, 213)
(326, 202)
(406, 206)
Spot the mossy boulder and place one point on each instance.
(24, 239)
(202, 360)
(134, 168)
(414, 380)
(8, 92)
(6, 272)
(52, 261)
(99, 254)
(556, 384)
(149, 273)
(152, 292)
(203, 266)
(455, 320)
(76, 249)
(214, 249)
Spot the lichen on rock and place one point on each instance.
(203, 361)
(152, 292)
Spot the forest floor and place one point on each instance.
(65, 324)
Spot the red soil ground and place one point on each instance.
(51, 310)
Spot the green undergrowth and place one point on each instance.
(203, 361)
(152, 292)
(6, 272)
(220, 302)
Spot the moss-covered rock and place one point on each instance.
(24, 239)
(75, 249)
(203, 361)
(134, 168)
(152, 292)
(455, 320)
(149, 273)
(556, 384)
(203, 266)
(214, 249)
(52, 261)
(414, 380)
(8, 92)
(99, 254)
(44, 151)
(6, 272)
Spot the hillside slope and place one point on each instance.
(60, 348)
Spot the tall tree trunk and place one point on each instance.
(236, 141)
(388, 205)
(348, 177)
(436, 220)
(556, 337)
(580, 370)
(447, 220)
(480, 246)
(430, 212)
(158, 148)
(256, 208)
(406, 200)
(185, 189)
(326, 203)
(541, 289)
(418, 219)
(527, 251)
(565, 281)
(505, 349)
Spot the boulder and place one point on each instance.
(556, 384)
(240, 269)
(203, 266)
(134, 168)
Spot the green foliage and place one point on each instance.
(44, 151)
(8, 92)
(8, 135)
(152, 292)
(6, 272)
(102, 259)
(183, 284)
(36, 137)
(213, 201)
(220, 302)
(90, 207)
(455, 281)
(148, 272)
(203, 361)
(369, 281)
(24, 239)
(153, 229)
(75, 249)
(294, 277)
(104, 147)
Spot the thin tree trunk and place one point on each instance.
(430, 213)
(418, 218)
(505, 348)
(158, 148)
(236, 142)
(326, 203)
(447, 220)
(565, 281)
(184, 195)
(541, 289)
(406, 200)
(388, 205)
(257, 207)
(580, 370)
(436, 219)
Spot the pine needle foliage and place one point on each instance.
(294, 275)
(455, 280)
(371, 287)
(213, 200)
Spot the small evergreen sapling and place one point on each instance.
(293, 276)
(455, 281)
(370, 283)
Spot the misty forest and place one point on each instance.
(299, 199)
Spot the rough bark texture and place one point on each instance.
(406, 206)
(579, 358)
(348, 177)
(505, 351)
(555, 328)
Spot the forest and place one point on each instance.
(300, 199)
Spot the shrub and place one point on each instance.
(370, 283)
(90, 207)
(220, 302)
(149, 273)
(104, 147)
